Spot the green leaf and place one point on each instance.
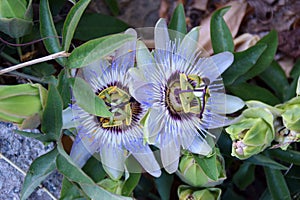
(38, 171)
(56, 6)
(87, 99)
(47, 30)
(93, 168)
(275, 78)
(206, 165)
(265, 195)
(248, 91)
(164, 184)
(71, 22)
(220, 34)
(264, 61)
(288, 156)
(12, 9)
(295, 73)
(99, 193)
(63, 88)
(38, 136)
(276, 184)
(177, 23)
(243, 61)
(113, 6)
(73, 173)
(130, 184)
(231, 194)
(96, 49)
(52, 115)
(266, 161)
(69, 191)
(40, 70)
(244, 176)
(95, 25)
(15, 27)
(16, 17)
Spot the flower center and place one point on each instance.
(122, 106)
(186, 94)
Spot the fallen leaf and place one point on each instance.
(245, 41)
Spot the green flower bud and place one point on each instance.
(187, 193)
(202, 171)
(22, 104)
(291, 114)
(285, 137)
(113, 186)
(253, 133)
(16, 17)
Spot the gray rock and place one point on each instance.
(22, 151)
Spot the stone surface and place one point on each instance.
(22, 151)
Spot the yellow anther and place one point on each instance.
(114, 124)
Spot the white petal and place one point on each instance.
(225, 104)
(199, 146)
(189, 45)
(170, 153)
(145, 157)
(94, 71)
(222, 60)
(161, 34)
(127, 51)
(113, 160)
(68, 118)
(212, 67)
(153, 126)
(233, 104)
(83, 148)
(143, 56)
(143, 94)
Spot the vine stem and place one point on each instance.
(24, 174)
(35, 61)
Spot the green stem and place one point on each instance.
(9, 58)
(26, 76)
(19, 50)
